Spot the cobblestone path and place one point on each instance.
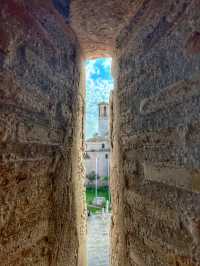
(98, 240)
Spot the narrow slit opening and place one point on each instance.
(99, 84)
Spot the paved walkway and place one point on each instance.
(98, 240)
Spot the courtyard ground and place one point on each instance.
(98, 230)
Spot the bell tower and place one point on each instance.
(103, 118)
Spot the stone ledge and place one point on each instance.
(180, 177)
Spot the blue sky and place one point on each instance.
(99, 83)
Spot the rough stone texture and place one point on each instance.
(118, 245)
(155, 137)
(41, 113)
(98, 22)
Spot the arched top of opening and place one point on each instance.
(98, 23)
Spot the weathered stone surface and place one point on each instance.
(98, 22)
(41, 113)
(118, 245)
(156, 137)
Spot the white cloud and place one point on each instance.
(90, 68)
(107, 63)
(96, 90)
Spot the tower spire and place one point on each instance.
(103, 119)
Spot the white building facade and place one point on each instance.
(98, 147)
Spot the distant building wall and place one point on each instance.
(98, 147)
(101, 151)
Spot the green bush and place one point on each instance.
(105, 178)
(90, 195)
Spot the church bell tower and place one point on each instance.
(103, 119)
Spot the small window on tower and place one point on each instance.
(106, 156)
(103, 146)
(105, 111)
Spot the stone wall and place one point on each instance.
(155, 137)
(41, 116)
(117, 254)
(155, 114)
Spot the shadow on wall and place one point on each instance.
(62, 7)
